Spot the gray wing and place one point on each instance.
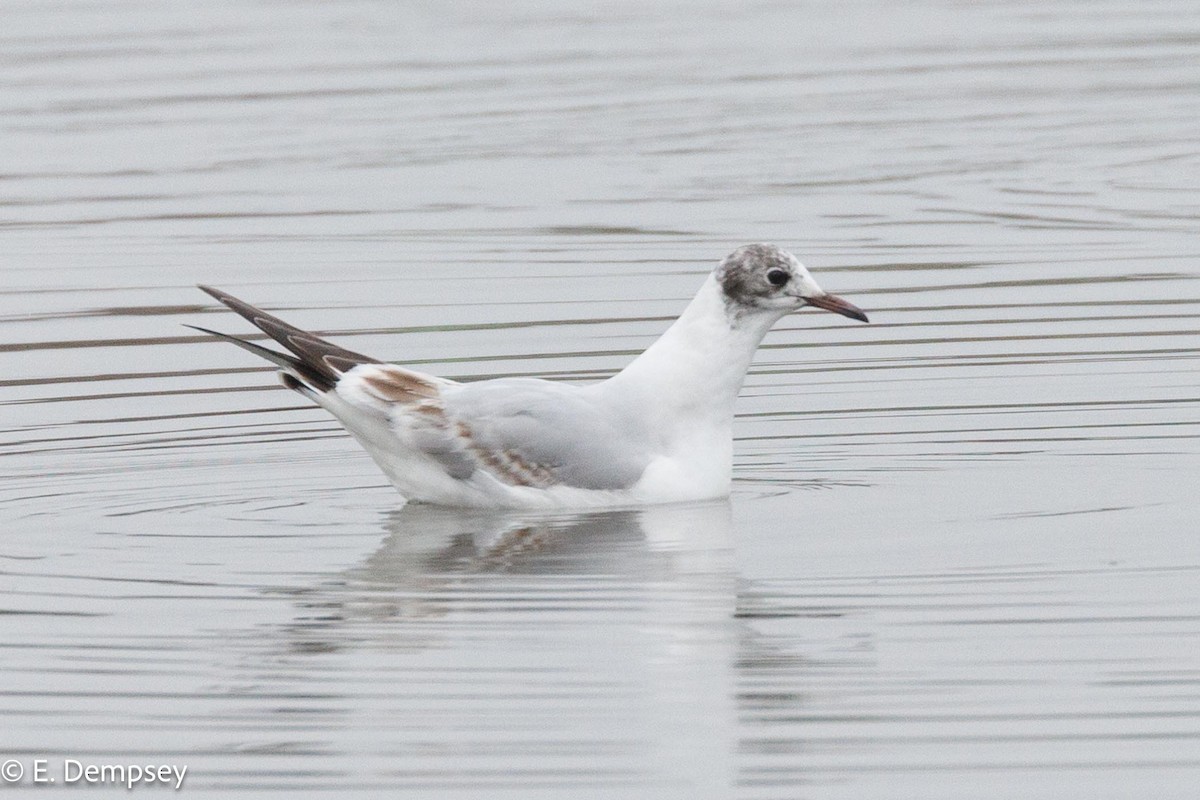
(541, 433)
(522, 431)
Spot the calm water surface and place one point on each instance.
(961, 559)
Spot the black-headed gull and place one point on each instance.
(658, 431)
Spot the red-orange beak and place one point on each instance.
(831, 302)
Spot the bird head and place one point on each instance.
(762, 277)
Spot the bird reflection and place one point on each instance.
(436, 559)
(623, 640)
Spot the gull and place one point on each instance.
(659, 431)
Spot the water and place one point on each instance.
(960, 558)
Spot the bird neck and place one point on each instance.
(696, 368)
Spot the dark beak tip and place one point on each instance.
(837, 305)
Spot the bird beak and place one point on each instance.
(837, 305)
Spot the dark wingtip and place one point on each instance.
(319, 357)
(202, 330)
(299, 376)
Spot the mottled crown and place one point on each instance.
(743, 273)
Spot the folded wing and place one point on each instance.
(518, 431)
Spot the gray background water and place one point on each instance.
(961, 559)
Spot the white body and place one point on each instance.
(676, 400)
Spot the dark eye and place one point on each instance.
(777, 277)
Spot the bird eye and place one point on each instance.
(777, 277)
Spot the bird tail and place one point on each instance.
(311, 361)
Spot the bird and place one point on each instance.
(658, 431)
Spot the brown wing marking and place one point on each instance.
(417, 394)
(507, 465)
(398, 385)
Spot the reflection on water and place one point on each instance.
(464, 631)
(435, 559)
(960, 559)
